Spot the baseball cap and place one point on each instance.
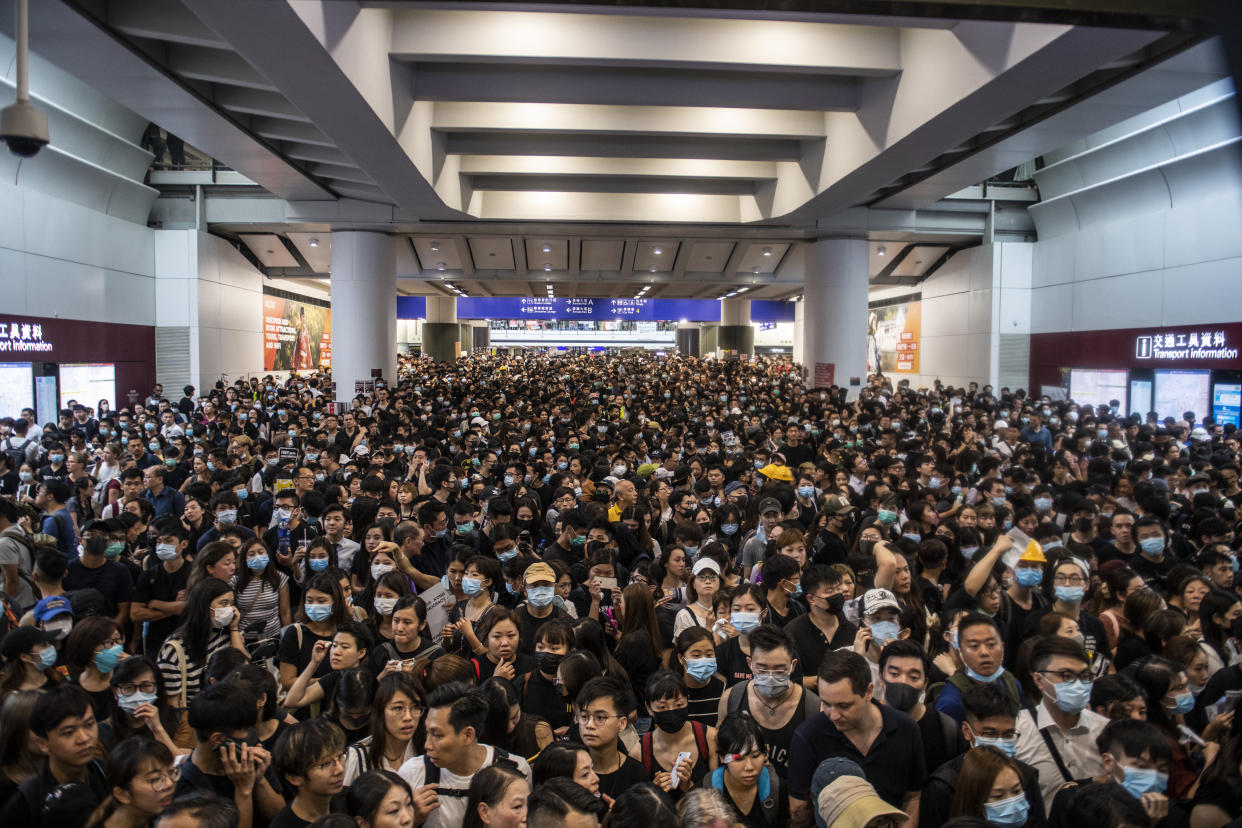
(539, 572)
(706, 563)
(837, 505)
(646, 469)
(769, 504)
(52, 606)
(20, 639)
(844, 798)
(875, 600)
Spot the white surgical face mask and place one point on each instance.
(221, 617)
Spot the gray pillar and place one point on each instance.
(835, 326)
(708, 339)
(736, 333)
(364, 309)
(441, 332)
(688, 339)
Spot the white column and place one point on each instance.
(799, 323)
(364, 309)
(734, 311)
(835, 313)
(442, 309)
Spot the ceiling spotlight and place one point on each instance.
(880, 251)
(657, 250)
(547, 267)
(653, 268)
(435, 247)
(755, 270)
(314, 242)
(440, 265)
(743, 289)
(767, 251)
(547, 248)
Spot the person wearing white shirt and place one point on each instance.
(456, 714)
(1059, 738)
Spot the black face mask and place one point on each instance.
(901, 696)
(671, 721)
(836, 603)
(1083, 526)
(548, 662)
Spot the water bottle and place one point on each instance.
(282, 537)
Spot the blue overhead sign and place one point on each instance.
(650, 310)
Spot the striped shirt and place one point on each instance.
(169, 663)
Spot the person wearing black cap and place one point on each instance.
(29, 660)
(71, 782)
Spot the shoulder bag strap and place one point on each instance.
(1052, 747)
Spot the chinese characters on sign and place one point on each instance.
(1182, 346)
(23, 337)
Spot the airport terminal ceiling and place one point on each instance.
(514, 146)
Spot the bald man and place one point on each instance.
(624, 496)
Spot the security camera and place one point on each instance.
(24, 129)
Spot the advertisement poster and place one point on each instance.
(296, 336)
(893, 334)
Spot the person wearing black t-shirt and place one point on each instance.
(823, 628)
(159, 596)
(310, 758)
(409, 622)
(537, 689)
(601, 712)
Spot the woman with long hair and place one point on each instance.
(481, 578)
(670, 575)
(1169, 699)
(1119, 582)
(137, 687)
(262, 593)
(20, 757)
(396, 727)
(989, 786)
(639, 647)
(385, 592)
(209, 623)
(1218, 623)
(322, 612)
(510, 727)
(143, 779)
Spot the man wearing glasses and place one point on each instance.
(1071, 586)
(1058, 736)
(601, 713)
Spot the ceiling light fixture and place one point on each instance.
(435, 247)
(743, 289)
(767, 251)
(547, 248)
(880, 251)
(652, 268)
(657, 250)
(440, 265)
(755, 270)
(314, 242)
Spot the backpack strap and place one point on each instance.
(648, 757)
(1052, 747)
(736, 696)
(948, 727)
(525, 684)
(431, 773)
(179, 649)
(700, 740)
(810, 704)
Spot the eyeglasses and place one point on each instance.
(114, 641)
(327, 763)
(1068, 580)
(781, 673)
(597, 718)
(402, 710)
(129, 688)
(163, 779)
(1069, 675)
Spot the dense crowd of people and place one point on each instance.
(623, 591)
